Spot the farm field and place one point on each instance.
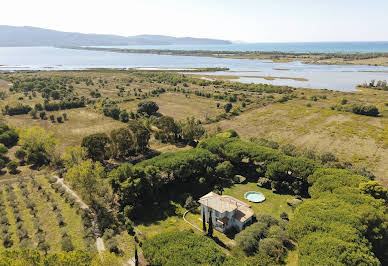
(39, 217)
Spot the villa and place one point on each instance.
(226, 212)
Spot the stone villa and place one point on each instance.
(226, 211)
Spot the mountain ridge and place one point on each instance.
(34, 36)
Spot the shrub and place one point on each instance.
(284, 216)
(66, 243)
(147, 107)
(368, 110)
(12, 167)
(228, 107)
(7, 241)
(273, 248)
(3, 149)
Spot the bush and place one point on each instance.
(273, 248)
(21, 154)
(12, 167)
(147, 107)
(66, 243)
(228, 107)
(7, 241)
(3, 149)
(284, 216)
(368, 110)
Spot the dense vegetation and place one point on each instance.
(266, 238)
(122, 171)
(340, 223)
(182, 248)
(377, 85)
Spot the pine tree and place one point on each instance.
(136, 257)
(203, 222)
(210, 230)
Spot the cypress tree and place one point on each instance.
(203, 222)
(136, 256)
(210, 230)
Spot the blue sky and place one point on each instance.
(244, 20)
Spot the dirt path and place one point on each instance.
(99, 242)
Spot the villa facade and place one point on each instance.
(226, 212)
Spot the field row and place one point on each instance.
(37, 214)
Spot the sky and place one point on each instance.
(237, 20)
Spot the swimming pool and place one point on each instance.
(254, 196)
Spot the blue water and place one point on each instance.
(296, 47)
(254, 196)
(332, 77)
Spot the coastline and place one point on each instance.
(370, 59)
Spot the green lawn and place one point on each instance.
(274, 204)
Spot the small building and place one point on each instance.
(226, 212)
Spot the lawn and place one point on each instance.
(274, 204)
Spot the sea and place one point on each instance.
(287, 47)
(332, 77)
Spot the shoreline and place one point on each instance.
(370, 59)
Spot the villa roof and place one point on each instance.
(218, 203)
(227, 204)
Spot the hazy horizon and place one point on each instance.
(247, 21)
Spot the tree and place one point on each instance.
(224, 170)
(12, 167)
(374, 189)
(123, 143)
(97, 146)
(38, 143)
(228, 107)
(3, 149)
(67, 244)
(182, 248)
(168, 129)
(73, 155)
(192, 131)
(124, 116)
(87, 178)
(203, 222)
(59, 119)
(8, 136)
(210, 229)
(64, 116)
(21, 154)
(33, 114)
(147, 107)
(43, 115)
(273, 248)
(141, 135)
(136, 256)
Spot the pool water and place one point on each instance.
(254, 196)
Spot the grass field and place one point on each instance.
(361, 140)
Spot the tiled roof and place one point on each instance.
(227, 204)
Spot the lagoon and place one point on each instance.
(332, 77)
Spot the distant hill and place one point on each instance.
(31, 36)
